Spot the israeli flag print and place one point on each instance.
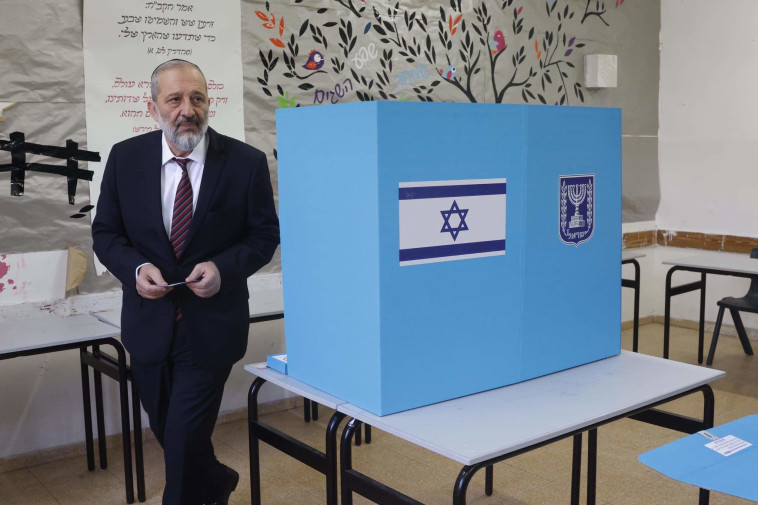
(451, 220)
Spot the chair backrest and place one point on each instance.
(753, 291)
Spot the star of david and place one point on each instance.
(462, 226)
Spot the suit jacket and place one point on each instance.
(234, 225)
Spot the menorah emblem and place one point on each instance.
(579, 191)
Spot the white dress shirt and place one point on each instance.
(171, 174)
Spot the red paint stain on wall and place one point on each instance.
(3, 272)
(10, 281)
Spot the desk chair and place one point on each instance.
(747, 303)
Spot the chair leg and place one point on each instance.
(741, 332)
(715, 338)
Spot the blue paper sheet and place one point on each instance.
(689, 460)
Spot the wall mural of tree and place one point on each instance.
(491, 53)
(515, 51)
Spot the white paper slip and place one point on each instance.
(728, 445)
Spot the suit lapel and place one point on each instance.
(151, 168)
(215, 159)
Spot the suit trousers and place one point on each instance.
(182, 401)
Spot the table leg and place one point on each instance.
(314, 410)
(636, 330)
(353, 481)
(87, 416)
(709, 408)
(576, 469)
(591, 466)
(678, 290)
(306, 410)
(705, 496)
(331, 457)
(367, 429)
(667, 314)
(489, 478)
(99, 412)
(252, 417)
(346, 460)
(701, 333)
(138, 455)
(462, 482)
(125, 428)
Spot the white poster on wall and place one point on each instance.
(125, 40)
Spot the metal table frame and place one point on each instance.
(116, 369)
(353, 481)
(102, 363)
(635, 285)
(642, 408)
(323, 462)
(672, 291)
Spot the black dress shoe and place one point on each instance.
(231, 480)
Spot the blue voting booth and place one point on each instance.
(435, 250)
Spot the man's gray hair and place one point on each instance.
(168, 65)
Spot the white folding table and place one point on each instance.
(742, 266)
(482, 429)
(41, 335)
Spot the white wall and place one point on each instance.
(708, 138)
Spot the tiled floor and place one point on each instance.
(540, 477)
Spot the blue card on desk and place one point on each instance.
(727, 465)
(277, 362)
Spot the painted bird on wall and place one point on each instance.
(315, 61)
(449, 72)
(498, 44)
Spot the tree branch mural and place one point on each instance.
(496, 51)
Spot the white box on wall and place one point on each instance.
(600, 71)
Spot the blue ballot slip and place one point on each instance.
(723, 459)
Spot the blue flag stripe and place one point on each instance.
(444, 251)
(419, 192)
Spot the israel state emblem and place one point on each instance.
(577, 208)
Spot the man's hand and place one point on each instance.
(150, 282)
(210, 282)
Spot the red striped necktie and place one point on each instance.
(182, 215)
(181, 218)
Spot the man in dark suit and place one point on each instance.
(185, 204)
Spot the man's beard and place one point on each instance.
(187, 140)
